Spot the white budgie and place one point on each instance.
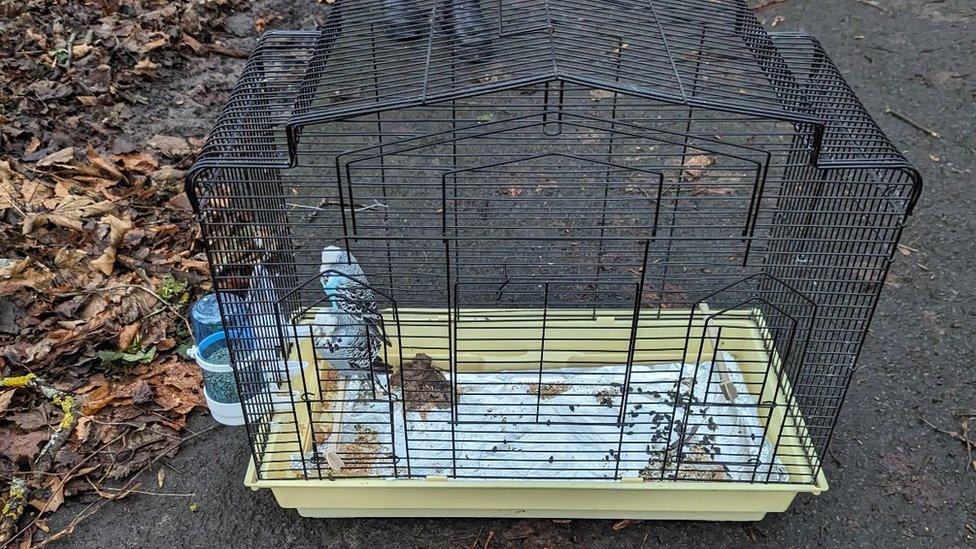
(356, 333)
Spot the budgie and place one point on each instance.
(354, 318)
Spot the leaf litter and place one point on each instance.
(99, 254)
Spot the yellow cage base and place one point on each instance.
(628, 498)
(664, 500)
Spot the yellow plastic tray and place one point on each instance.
(495, 339)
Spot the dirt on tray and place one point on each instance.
(546, 391)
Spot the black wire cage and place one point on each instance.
(607, 241)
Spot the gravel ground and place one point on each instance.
(895, 481)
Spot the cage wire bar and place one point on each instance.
(608, 239)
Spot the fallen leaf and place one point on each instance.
(32, 145)
(83, 428)
(180, 202)
(118, 228)
(145, 66)
(180, 390)
(170, 146)
(102, 165)
(63, 156)
(21, 447)
(5, 397)
(694, 167)
(140, 162)
(10, 181)
(24, 273)
(105, 263)
(127, 335)
(80, 50)
(154, 44)
(166, 174)
(193, 44)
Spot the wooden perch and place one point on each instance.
(725, 380)
(20, 488)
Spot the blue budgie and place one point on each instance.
(356, 334)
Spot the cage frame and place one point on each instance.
(835, 131)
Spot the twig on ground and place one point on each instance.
(134, 491)
(146, 289)
(927, 131)
(961, 437)
(20, 490)
(128, 488)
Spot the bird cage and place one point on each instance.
(613, 258)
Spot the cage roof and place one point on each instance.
(370, 57)
(713, 53)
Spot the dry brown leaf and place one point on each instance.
(32, 221)
(21, 447)
(97, 399)
(95, 305)
(163, 40)
(70, 259)
(180, 390)
(695, 166)
(68, 213)
(193, 44)
(64, 156)
(170, 145)
(83, 428)
(166, 174)
(80, 50)
(218, 47)
(106, 262)
(56, 498)
(128, 335)
(180, 202)
(32, 145)
(24, 273)
(97, 208)
(104, 165)
(118, 228)
(140, 162)
(145, 66)
(5, 397)
(199, 265)
(9, 182)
